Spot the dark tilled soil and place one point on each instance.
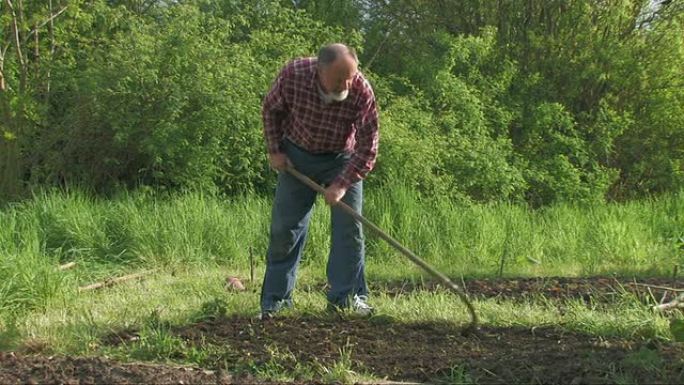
(35, 369)
(21, 369)
(598, 288)
(401, 352)
(433, 351)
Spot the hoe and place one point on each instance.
(473, 327)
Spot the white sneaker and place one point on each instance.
(265, 315)
(360, 307)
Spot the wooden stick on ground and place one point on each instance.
(675, 303)
(67, 266)
(113, 281)
(659, 287)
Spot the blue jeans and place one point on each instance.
(291, 213)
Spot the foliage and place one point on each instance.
(537, 101)
(171, 101)
(583, 91)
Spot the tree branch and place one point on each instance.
(15, 32)
(677, 302)
(4, 49)
(44, 23)
(380, 46)
(659, 287)
(114, 281)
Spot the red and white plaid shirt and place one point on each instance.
(294, 109)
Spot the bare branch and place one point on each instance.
(676, 303)
(44, 23)
(15, 32)
(4, 49)
(380, 47)
(51, 30)
(7, 83)
(67, 266)
(36, 47)
(114, 281)
(659, 287)
(53, 45)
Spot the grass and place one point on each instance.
(196, 241)
(176, 298)
(179, 298)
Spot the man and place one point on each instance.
(320, 117)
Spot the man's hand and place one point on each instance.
(334, 193)
(279, 161)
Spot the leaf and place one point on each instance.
(677, 329)
(8, 136)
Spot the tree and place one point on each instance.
(27, 48)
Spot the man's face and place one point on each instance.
(336, 79)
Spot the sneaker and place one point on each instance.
(271, 313)
(358, 307)
(266, 315)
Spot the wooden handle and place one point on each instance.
(408, 253)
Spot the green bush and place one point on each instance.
(173, 102)
(561, 166)
(481, 100)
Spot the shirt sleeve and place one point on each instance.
(273, 112)
(366, 148)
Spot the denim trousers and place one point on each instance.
(290, 217)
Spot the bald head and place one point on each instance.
(332, 52)
(337, 67)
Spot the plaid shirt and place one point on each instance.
(293, 109)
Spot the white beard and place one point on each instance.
(333, 96)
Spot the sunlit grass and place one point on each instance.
(140, 231)
(194, 242)
(181, 298)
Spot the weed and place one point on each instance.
(457, 375)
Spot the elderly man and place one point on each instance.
(320, 117)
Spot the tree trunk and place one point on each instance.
(11, 185)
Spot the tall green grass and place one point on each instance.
(639, 237)
(136, 231)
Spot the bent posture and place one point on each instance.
(320, 117)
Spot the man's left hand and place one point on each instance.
(334, 193)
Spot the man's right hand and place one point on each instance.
(279, 161)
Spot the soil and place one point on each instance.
(435, 351)
(385, 348)
(22, 369)
(600, 289)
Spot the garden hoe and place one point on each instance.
(473, 327)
